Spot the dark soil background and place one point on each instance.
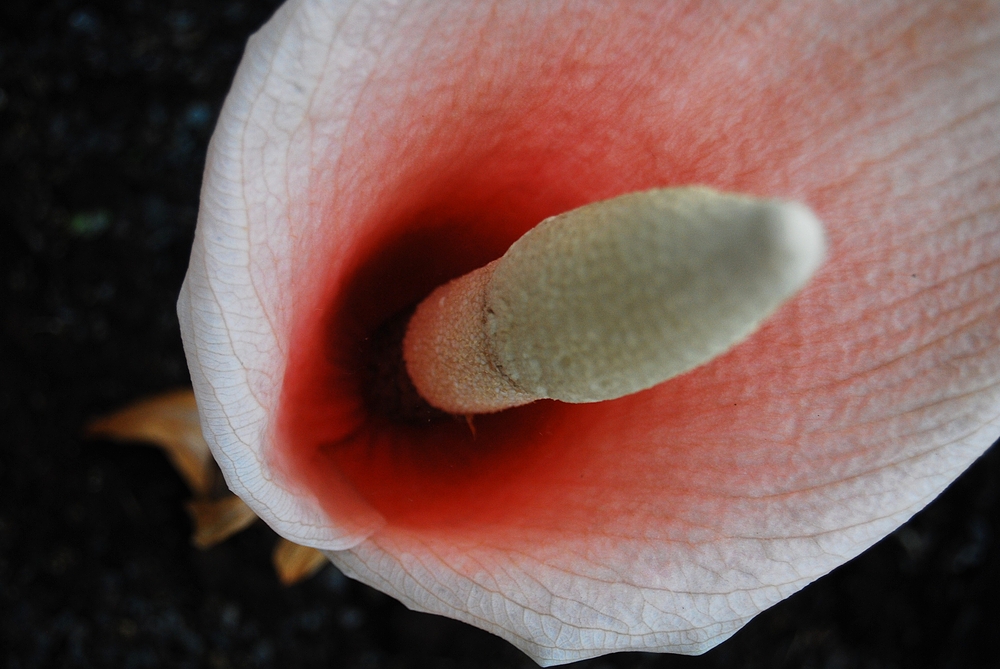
(105, 111)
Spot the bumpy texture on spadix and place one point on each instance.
(610, 299)
(370, 152)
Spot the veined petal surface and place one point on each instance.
(370, 151)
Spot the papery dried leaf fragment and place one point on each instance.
(215, 520)
(294, 562)
(169, 421)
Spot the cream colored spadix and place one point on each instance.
(610, 299)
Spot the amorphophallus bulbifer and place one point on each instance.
(370, 152)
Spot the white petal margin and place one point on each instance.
(897, 393)
(233, 306)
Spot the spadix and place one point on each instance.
(610, 299)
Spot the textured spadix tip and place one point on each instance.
(610, 299)
(798, 235)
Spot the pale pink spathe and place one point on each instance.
(666, 520)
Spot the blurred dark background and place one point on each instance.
(105, 112)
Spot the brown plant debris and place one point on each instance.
(294, 562)
(170, 421)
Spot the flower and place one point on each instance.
(370, 151)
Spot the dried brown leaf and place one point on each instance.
(294, 562)
(216, 520)
(169, 421)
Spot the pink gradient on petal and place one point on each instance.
(716, 494)
(507, 121)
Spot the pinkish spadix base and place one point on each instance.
(370, 153)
